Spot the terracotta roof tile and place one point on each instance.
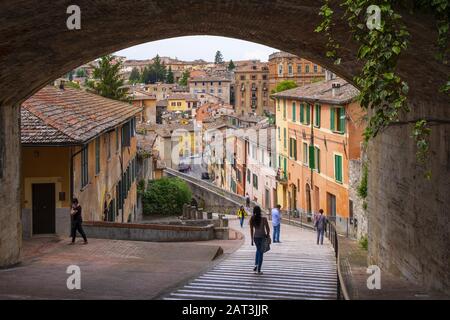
(36, 131)
(77, 114)
(322, 92)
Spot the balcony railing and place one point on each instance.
(281, 178)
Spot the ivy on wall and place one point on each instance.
(381, 42)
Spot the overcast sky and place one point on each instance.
(199, 47)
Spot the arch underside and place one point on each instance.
(37, 47)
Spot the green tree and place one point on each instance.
(135, 76)
(231, 66)
(81, 73)
(109, 83)
(155, 72)
(166, 196)
(170, 77)
(184, 78)
(73, 85)
(285, 85)
(219, 58)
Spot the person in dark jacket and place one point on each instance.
(259, 231)
(321, 226)
(77, 221)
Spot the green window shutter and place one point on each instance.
(285, 138)
(342, 120)
(318, 159)
(338, 168)
(311, 157)
(332, 117)
(285, 168)
(302, 113)
(308, 114)
(293, 111)
(317, 115)
(290, 147)
(295, 149)
(284, 109)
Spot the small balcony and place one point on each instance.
(282, 177)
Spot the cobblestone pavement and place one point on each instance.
(296, 268)
(109, 269)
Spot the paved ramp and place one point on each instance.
(295, 269)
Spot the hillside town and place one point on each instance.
(224, 150)
(284, 132)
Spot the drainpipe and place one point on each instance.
(312, 143)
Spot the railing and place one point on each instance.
(332, 235)
(305, 219)
(298, 217)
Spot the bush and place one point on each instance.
(364, 243)
(362, 188)
(166, 196)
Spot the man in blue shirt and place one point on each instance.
(276, 222)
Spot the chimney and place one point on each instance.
(336, 88)
(59, 83)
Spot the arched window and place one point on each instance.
(280, 69)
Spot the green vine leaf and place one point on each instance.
(382, 90)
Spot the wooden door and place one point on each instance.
(43, 208)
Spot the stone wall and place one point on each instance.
(148, 232)
(210, 197)
(409, 216)
(359, 228)
(10, 160)
(62, 222)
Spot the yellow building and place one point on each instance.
(76, 144)
(147, 102)
(180, 102)
(282, 152)
(187, 138)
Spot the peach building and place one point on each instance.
(325, 126)
(285, 66)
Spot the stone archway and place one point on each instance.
(405, 231)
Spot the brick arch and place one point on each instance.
(405, 231)
(37, 47)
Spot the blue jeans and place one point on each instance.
(276, 233)
(259, 252)
(242, 221)
(320, 234)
